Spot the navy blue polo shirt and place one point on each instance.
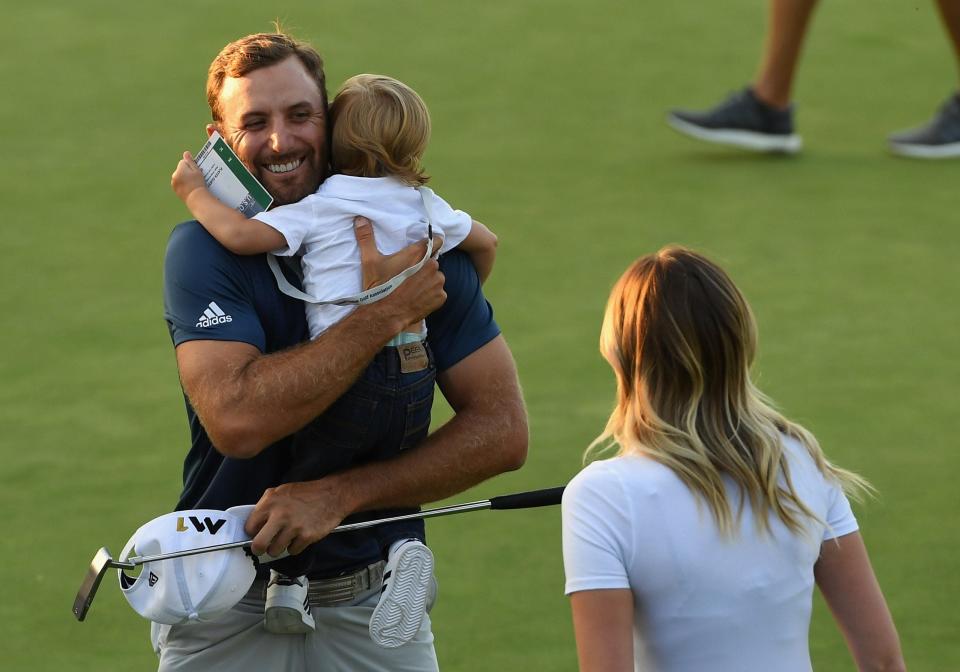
(210, 293)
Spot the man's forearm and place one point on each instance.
(467, 450)
(487, 436)
(247, 400)
(287, 389)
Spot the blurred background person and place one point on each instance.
(760, 117)
(698, 545)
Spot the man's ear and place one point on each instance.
(210, 129)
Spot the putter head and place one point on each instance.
(101, 562)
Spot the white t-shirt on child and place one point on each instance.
(322, 226)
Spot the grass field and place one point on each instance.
(548, 126)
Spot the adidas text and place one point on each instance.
(219, 319)
(212, 316)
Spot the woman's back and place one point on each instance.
(697, 548)
(702, 600)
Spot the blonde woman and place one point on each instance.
(696, 548)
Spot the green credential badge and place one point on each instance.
(229, 180)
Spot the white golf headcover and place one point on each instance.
(193, 588)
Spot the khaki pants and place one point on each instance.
(238, 641)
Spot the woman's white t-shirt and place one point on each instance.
(701, 601)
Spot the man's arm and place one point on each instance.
(247, 400)
(486, 436)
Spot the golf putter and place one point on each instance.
(103, 561)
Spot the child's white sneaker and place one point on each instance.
(403, 597)
(287, 610)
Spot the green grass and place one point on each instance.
(548, 126)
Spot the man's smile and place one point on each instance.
(284, 167)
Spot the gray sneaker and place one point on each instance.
(939, 139)
(742, 120)
(287, 609)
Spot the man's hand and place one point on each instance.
(378, 268)
(487, 436)
(419, 295)
(293, 516)
(246, 400)
(187, 178)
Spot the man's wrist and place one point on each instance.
(348, 499)
(387, 316)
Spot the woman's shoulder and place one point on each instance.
(610, 467)
(798, 457)
(633, 473)
(809, 481)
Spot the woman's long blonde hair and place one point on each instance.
(681, 339)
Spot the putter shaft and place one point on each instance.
(134, 561)
(103, 561)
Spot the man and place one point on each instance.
(250, 382)
(760, 117)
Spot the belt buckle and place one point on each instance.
(342, 590)
(375, 573)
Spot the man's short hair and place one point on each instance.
(261, 50)
(380, 128)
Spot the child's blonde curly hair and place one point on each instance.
(380, 128)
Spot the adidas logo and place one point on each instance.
(213, 316)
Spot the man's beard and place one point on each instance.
(284, 194)
(291, 194)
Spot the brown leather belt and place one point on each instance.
(336, 591)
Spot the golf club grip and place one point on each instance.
(528, 500)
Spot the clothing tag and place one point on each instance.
(413, 357)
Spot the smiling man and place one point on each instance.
(290, 159)
(252, 381)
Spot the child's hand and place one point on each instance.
(187, 177)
